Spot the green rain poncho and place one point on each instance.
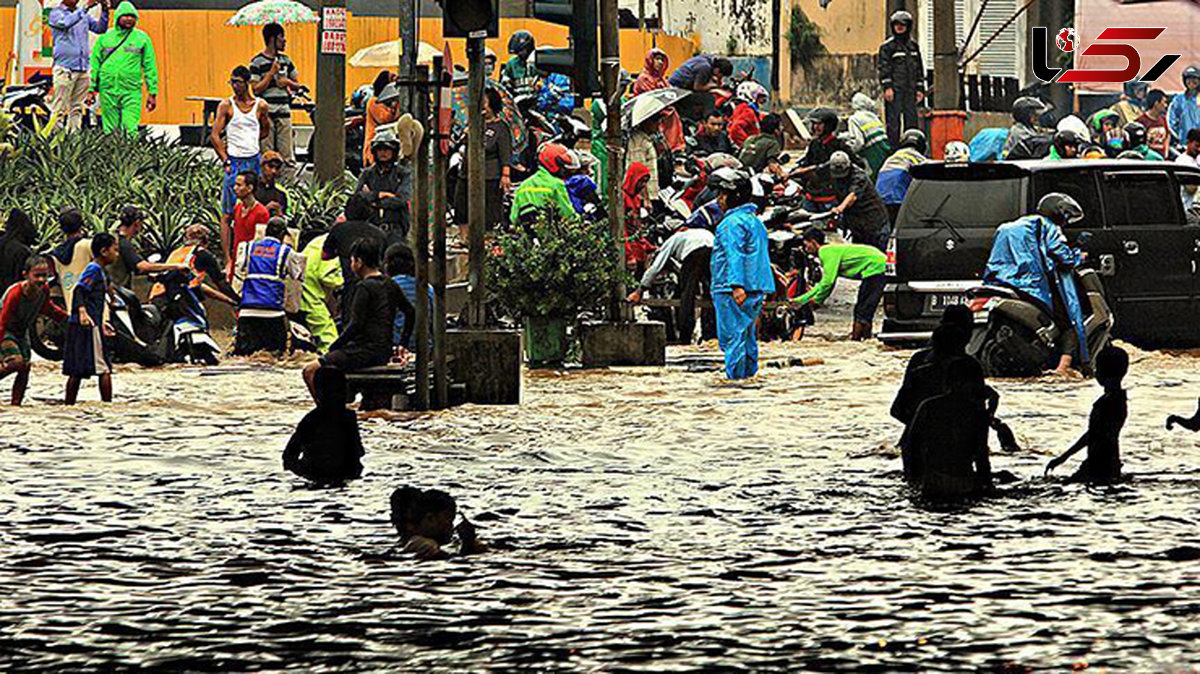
(121, 59)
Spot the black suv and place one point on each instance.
(1145, 244)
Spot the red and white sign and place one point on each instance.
(333, 42)
(334, 18)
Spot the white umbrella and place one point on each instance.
(646, 105)
(272, 11)
(387, 54)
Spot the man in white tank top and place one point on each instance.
(244, 123)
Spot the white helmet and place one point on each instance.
(750, 91)
(957, 152)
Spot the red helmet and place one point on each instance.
(554, 157)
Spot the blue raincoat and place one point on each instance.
(1031, 255)
(988, 144)
(1183, 114)
(740, 260)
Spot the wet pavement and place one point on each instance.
(644, 519)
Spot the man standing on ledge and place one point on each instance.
(70, 25)
(121, 59)
(274, 77)
(741, 273)
(902, 77)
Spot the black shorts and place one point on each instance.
(260, 334)
(353, 358)
(870, 292)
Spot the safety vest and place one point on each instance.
(264, 286)
(182, 255)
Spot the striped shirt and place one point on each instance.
(278, 99)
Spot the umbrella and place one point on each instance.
(646, 105)
(272, 11)
(387, 54)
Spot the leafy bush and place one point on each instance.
(100, 173)
(804, 39)
(556, 268)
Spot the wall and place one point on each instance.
(711, 22)
(197, 51)
(833, 79)
(847, 26)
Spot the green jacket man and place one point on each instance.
(538, 191)
(121, 59)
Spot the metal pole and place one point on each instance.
(945, 57)
(420, 238)
(440, 400)
(477, 204)
(610, 71)
(330, 119)
(409, 18)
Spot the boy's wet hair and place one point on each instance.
(368, 252)
(70, 221)
(950, 339)
(409, 504)
(1112, 363)
(277, 228)
(399, 260)
(814, 234)
(330, 385)
(34, 261)
(130, 215)
(358, 209)
(102, 242)
(959, 315)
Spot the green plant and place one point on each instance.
(557, 268)
(99, 173)
(804, 39)
(731, 44)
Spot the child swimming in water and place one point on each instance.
(1103, 437)
(425, 522)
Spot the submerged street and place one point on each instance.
(648, 518)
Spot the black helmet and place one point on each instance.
(1027, 109)
(902, 17)
(915, 139)
(733, 181)
(520, 42)
(826, 117)
(1190, 71)
(1064, 138)
(1060, 208)
(1135, 135)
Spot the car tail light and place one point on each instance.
(979, 304)
(890, 268)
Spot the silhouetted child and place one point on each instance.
(425, 522)
(1103, 437)
(948, 439)
(326, 447)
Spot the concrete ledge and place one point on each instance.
(607, 344)
(488, 362)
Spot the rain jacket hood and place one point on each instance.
(637, 173)
(862, 103)
(1031, 255)
(649, 67)
(126, 8)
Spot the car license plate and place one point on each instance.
(939, 301)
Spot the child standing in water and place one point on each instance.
(85, 354)
(1103, 437)
(425, 522)
(326, 447)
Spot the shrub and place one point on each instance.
(557, 268)
(804, 39)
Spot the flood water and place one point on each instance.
(644, 519)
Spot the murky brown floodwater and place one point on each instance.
(647, 519)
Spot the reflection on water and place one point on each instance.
(646, 519)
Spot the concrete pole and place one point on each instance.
(610, 71)
(330, 117)
(945, 57)
(420, 236)
(476, 200)
(440, 380)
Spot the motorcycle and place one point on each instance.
(795, 271)
(136, 327)
(185, 337)
(27, 103)
(1016, 335)
(355, 130)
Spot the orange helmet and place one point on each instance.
(554, 157)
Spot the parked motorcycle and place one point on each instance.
(1016, 335)
(28, 103)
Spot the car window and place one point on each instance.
(963, 203)
(1080, 185)
(1189, 196)
(1141, 199)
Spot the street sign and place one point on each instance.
(333, 42)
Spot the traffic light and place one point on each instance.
(460, 18)
(580, 61)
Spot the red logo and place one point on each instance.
(1110, 42)
(1066, 39)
